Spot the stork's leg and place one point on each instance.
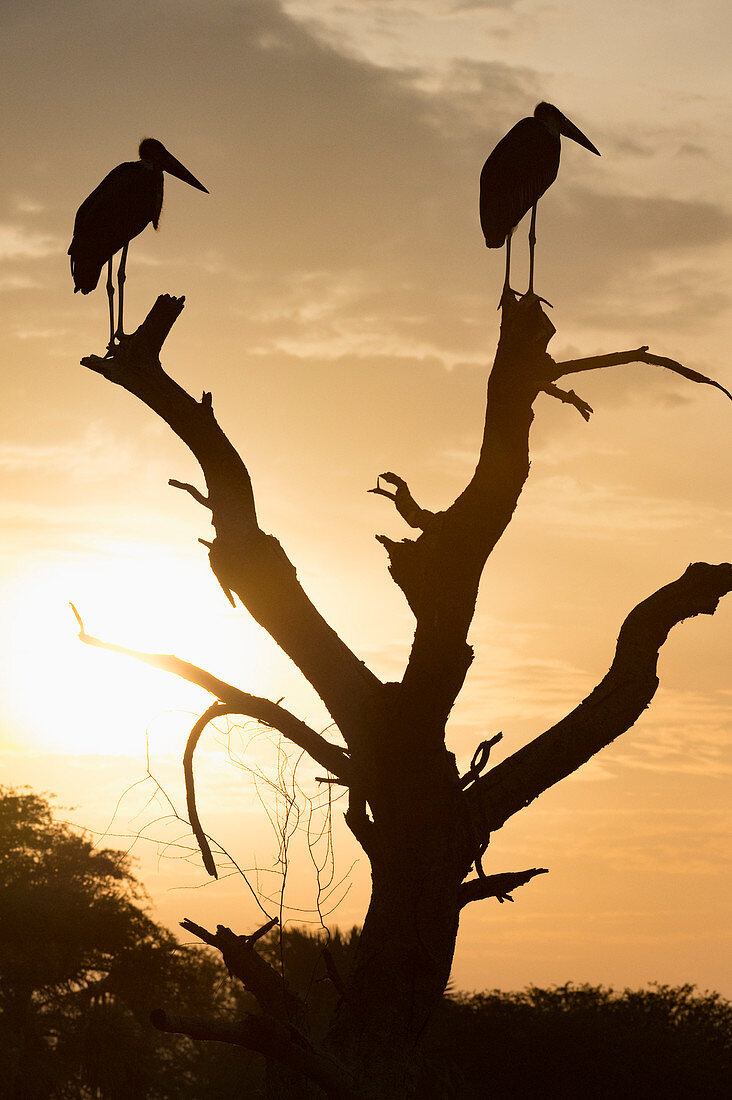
(507, 280)
(532, 243)
(110, 298)
(121, 283)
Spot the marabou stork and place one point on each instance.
(517, 173)
(126, 200)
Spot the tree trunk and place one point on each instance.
(419, 848)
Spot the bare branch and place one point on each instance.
(276, 1041)
(197, 495)
(246, 560)
(611, 709)
(638, 355)
(439, 572)
(273, 993)
(569, 397)
(333, 758)
(404, 502)
(214, 711)
(496, 886)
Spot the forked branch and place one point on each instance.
(273, 993)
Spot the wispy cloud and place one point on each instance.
(92, 455)
(17, 242)
(604, 511)
(684, 732)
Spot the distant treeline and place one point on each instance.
(82, 965)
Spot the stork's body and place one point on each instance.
(518, 172)
(128, 199)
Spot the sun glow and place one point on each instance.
(60, 695)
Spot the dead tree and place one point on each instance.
(423, 826)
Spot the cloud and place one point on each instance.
(604, 510)
(481, 5)
(19, 243)
(692, 149)
(93, 454)
(647, 224)
(18, 282)
(24, 204)
(684, 732)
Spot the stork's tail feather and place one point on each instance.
(85, 274)
(495, 240)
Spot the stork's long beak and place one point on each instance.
(571, 131)
(170, 164)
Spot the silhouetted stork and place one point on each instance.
(126, 200)
(517, 173)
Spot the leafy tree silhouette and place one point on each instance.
(81, 967)
(580, 1041)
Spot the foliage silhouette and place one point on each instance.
(81, 967)
(579, 1041)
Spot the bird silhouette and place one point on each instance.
(124, 203)
(517, 173)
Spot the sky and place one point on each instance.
(341, 306)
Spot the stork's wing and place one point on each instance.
(517, 173)
(115, 212)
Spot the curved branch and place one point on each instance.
(637, 355)
(214, 711)
(333, 758)
(246, 560)
(197, 495)
(404, 502)
(611, 709)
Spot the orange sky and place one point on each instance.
(341, 307)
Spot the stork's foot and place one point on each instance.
(508, 295)
(116, 342)
(530, 295)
